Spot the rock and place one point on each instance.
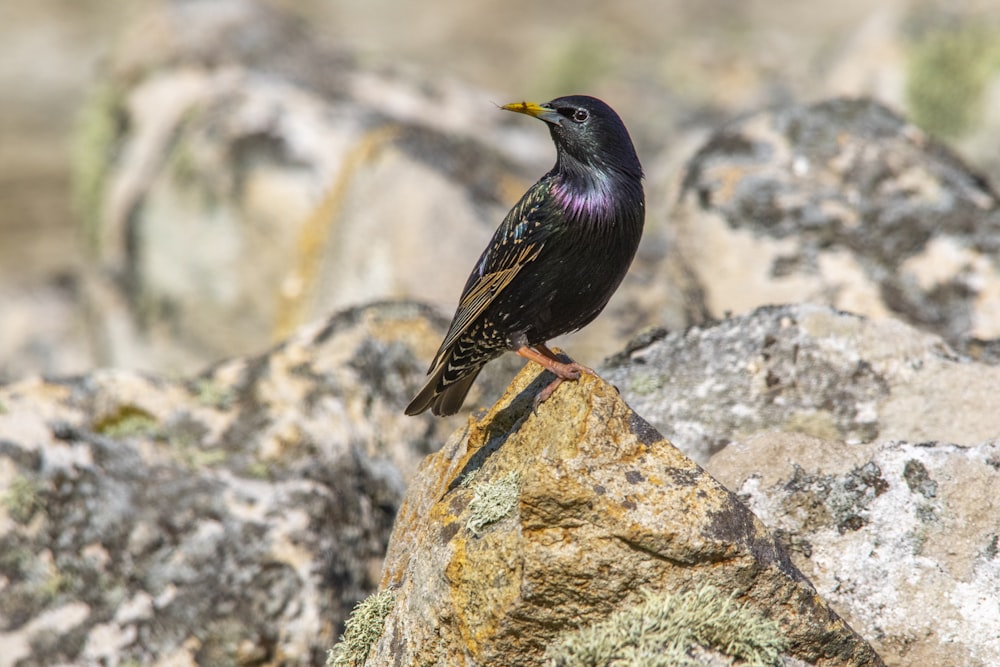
(842, 203)
(599, 513)
(237, 516)
(231, 519)
(237, 189)
(900, 537)
(53, 305)
(806, 369)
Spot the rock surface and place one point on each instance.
(900, 537)
(232, 519)
(237, 516)
(806, 369)
(843, 203)
(603, 509)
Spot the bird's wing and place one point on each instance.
(516, 243)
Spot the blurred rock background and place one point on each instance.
(186, 181)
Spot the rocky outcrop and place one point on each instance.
(239, 177)
(901, 537)
(843, 203)
(527, 525)
(234, 518)
(805, 369)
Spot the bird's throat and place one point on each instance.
(590, 198)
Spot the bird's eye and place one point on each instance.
(580, 115)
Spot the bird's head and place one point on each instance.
(587, 131)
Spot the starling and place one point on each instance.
(554, 261)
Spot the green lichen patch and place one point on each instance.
(214, 394)
(95, 143)
(492, 500)
(665, 630)
(843, 500)
(128, 421)
(21, 499)
(363, 628)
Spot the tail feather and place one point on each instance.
(443, 401)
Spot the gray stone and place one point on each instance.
(234, 518)
(806, 369)
(843, 203)
(901, 537)
(238, 189)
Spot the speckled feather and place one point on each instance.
(557, 257)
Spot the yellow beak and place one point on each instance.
(535, 110)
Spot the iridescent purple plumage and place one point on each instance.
(594, 200)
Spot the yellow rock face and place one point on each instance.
(606, 509)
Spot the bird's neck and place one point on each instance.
(595, 193)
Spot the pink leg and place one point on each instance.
(547, 359)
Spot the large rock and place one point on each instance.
(868, 445)
(237, 516)
(806, 369)
(843, 203)
(231, 519)
(595, 512)
(900, 537)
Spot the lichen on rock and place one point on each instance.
(664, 629)
(607, 513)
(362, 629)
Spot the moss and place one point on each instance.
(196, 457)
(258, 470)
(469, 477)
(492, 500)
(95, 143)
(187, 439)
(645, 384)
(363, 628)
(947, 75)
(128, 421)
(664, 629)
(53, 585)
(213, 394)
(22, 500)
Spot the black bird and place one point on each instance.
(554, 261)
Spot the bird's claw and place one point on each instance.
(546, 392)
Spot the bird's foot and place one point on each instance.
(563, 371)
(570, 371)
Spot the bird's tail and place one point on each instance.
(443, 401)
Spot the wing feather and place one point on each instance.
(516, 243)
